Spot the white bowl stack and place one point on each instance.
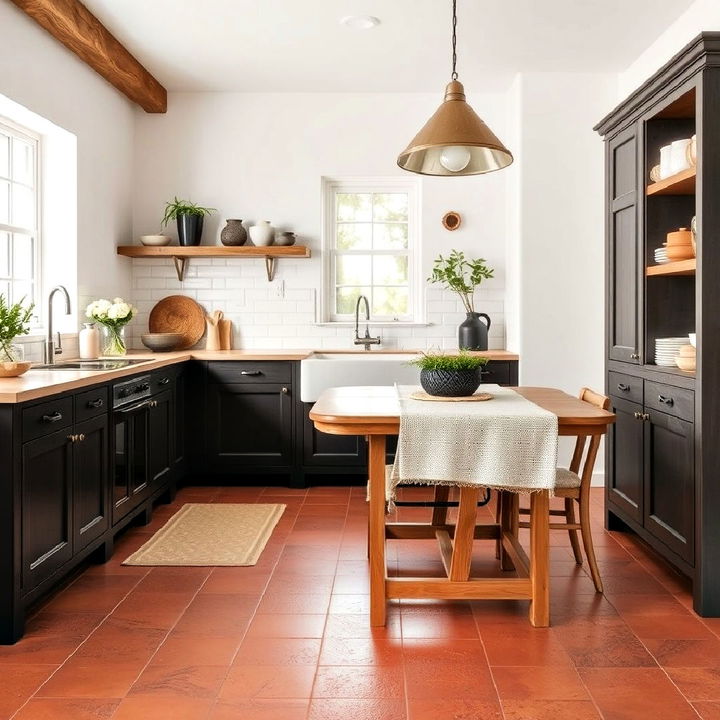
(667, 349)
(661, 256)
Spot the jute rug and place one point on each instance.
(211, 534)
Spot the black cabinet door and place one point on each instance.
(90, 481)
(321, 449)
(623, 262)
(670, 482)
(625, 458)
(130, 460)
(161, 437)
(46, 497)
(249, 426)
(180, 389)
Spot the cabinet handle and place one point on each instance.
(251, 373)
(623, 387)
(72, 438)
(54, 417)
(666, 400)
(81, 437)
(634, 356)
(164, 381)
(285, 391)
(153, 403)
(95, 403)
(646, 416)
(637, 415)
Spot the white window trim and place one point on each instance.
(36, 322)
(412, 186)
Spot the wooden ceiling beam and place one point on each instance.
(72, 24)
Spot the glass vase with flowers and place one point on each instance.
(113, 317)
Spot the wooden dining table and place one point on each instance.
(375, 412)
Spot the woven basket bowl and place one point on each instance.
(450, 383)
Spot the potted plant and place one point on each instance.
(450, 375)
(113, 316)
(189, 218)
(14, 321)
(462, 276)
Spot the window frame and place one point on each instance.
(331, 186)
(27, 135)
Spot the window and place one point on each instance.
(19, 214)
(371, 249)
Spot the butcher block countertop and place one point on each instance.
(39, 383)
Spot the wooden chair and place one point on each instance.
(573, 485)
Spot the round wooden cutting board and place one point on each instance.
(421, 395)
(178, 314)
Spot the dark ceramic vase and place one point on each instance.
(189, 229)
(233, 234)
(450, 383)
(473, 332)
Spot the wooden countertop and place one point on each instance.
(39, 383)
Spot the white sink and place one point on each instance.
(321, 371)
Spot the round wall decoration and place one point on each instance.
(451, 220)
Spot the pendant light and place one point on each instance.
(454, 141)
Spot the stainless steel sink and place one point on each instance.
(90, 365)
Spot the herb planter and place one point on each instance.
(450, 383)
(189, 229)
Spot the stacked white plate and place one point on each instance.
(661, 256)
(666, 350)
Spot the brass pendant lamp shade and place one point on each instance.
(454, 141)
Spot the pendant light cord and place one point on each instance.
(454, 41)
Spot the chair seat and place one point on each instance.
(566, 479)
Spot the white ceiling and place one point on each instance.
(299, 45)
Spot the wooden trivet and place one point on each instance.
(422, 395)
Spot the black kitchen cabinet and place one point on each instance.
(91, 486)
(625, 443)
(46, 502)
(161, 421)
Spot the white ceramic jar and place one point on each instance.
(679, 155)
(262, 233)
(89, 341)
(666, 161)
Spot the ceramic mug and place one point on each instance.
(665, 166)
(679, 155)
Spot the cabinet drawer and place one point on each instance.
(497, 372)
(262, 371)
(47, 417)
(671, 400)
(625, 386)
(162, 380)
(91, 403)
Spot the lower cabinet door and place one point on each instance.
(91, 485)
(249, 426)
(625, 458)
(46, 498)
(670, 482)
(161, 437)
(324, 450)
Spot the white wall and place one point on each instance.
(44, 77)
(701, 15)
(262, 156)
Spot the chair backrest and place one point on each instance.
(599, 401)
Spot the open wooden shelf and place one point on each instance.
(678, 267)
(682, 183)
(181, 253)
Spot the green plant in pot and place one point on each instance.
(189, 218)
(14, 322)
(450, 375)
(462, 276)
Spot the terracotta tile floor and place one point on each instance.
(289, 639)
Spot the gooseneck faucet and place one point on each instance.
(51, 350)
(366, 341)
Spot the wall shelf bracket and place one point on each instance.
(181, 264)
(270, 267)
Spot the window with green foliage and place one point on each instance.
(19, 214)
(370, 249)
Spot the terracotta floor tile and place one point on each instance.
(287, 625)
(349, 604)
(294, 603)
(457, 709)
(194, 681)
(690, 652)
(153, 707)
(89, 681)
(284, 681)
(510, 645)
(677, 625)
(278, 651)
(44, 650)
(539, 683)
(358, 709)
(67, 709)
(604, 646)
(708, 710)
(438, 624)
(258, 709)
(358, 626)
(359, 682)
(632, 693)
(450, 680)
(697, 683)
(152, 610)
(77, 624)
(183, 650)
(116, 642)
(443, 651)
(552, 710)
(19, 682)
(374, 651)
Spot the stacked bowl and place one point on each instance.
(667, 349)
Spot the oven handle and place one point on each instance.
(133, 408)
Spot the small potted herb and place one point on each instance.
(14, 321)
(189, 218)
(462, 276)
(450, 375)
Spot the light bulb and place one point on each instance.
(455, 157)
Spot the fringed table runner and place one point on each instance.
(507, 443)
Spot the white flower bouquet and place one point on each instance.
(113, 316)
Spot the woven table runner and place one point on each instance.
(507, 443)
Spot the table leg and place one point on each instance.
(507, 504)
(540, 558)
(376, 536)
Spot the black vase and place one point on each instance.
(450, 383)
(473, 333)
(189, 229)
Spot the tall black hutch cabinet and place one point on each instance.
(663, 454)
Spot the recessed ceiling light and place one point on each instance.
(360, 22)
